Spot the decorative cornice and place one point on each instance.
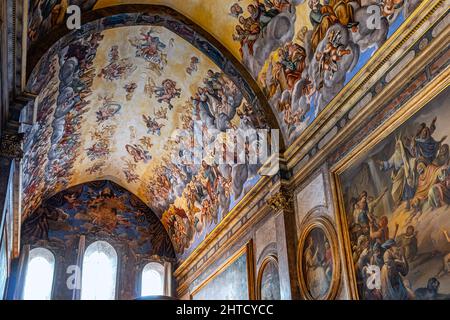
(11, 146)
(159, 259)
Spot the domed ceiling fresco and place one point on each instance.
(122, 104)
(301, 53)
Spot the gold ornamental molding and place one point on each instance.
(186, 273)
(422, 19)
(281, 196)
(11, 146)
(280, 201)
(246, 249)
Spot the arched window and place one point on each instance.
(152, 282)
(39, 277)
(99, 272)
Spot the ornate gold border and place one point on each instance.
(327, 227)
(246, 249)
(410, 108)
(267, 259)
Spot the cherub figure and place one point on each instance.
(388, 7)
(138, 153)
(129, 171)
(97, 167)
(333, 52)
(108, 109)
(146, 142)
(117, 68)
(167, 91)
(129, 88)
(161, 113)
(290, 117)
(236, 10)
(150, 47)
(152, 125)
(193, 66)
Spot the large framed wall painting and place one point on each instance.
(234, 280)
(393, 194)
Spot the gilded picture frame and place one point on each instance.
(409, 109)
(325, 225)
(247, 250)
(271, 258)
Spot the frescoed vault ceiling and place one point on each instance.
(120, 104)
(113, 96)
(301, 53)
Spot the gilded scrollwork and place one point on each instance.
(11, 146)
(282, 200)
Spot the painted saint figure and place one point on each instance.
(315, 272)
(167, 91)
(394, 269)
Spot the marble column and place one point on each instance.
(168, 284)
(282, 206)
(76, 291)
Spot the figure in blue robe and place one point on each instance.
(425, 146)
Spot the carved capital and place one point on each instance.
(10, 146)
(281, 200)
